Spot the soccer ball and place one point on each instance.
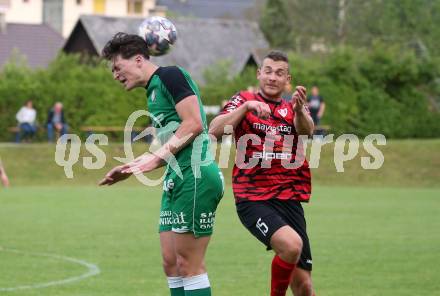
(159, 33)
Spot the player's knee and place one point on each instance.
(169, 265)
(184, 266)
(290, 250)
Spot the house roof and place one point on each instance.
(38, 43)
(209, 8)
(200, 43)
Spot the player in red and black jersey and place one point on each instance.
(271, 176)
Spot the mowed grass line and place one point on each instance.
(382, 241)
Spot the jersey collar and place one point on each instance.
(260, 94)
(149, 80)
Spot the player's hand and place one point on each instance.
(262, 110)
(5, 180)
(143, 164)
(115, 175)
(299, 99)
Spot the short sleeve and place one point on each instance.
(175, 82)
(236, 101)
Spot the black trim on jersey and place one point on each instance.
(175, 82)
(260, 94)
(151, 77)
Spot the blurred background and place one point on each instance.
(375, 66)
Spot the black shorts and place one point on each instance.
(264, 218)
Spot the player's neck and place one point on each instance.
(149, 70)
(274, 99)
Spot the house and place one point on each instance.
(39, 44)
(200, 43)
(62, 15)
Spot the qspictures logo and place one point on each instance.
(346, 148)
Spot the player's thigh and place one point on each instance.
(260, 219)
(286, 239)
(167, 246)
(190, 251)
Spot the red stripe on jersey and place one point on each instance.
(263, 170)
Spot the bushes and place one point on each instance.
(384, 90)
(87, 90)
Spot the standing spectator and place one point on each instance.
(316, 105)
(26, 121)
(287, 92)
(56, 121)
(3, 177)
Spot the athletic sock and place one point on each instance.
(281, 276)
(197, 285)
(176, 285)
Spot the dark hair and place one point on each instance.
(126, 45)
(276, 55)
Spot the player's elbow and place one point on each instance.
(197, 127)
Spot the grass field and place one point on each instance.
(365, 242)
(372, 232)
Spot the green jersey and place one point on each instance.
(166, 88)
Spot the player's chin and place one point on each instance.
(272, 91)
(129, 86)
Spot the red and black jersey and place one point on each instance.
(270, 162)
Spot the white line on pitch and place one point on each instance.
(92, 271)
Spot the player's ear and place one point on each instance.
(258, 72)
(138, 59)
(289, 78)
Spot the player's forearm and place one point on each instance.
(184, 135)
(303, 123)
(217, 126)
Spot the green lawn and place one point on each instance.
(365, 241)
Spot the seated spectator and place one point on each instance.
(3, 177)
(56, 122)
(26, 117)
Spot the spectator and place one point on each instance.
(26, 121)
(3, 177)
(287, 92)
(56, 122)
(316, 105)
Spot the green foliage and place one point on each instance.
(219, 86)
(383, 90)
(298, 24)
(85, 87)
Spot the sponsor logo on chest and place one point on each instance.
(272, 129)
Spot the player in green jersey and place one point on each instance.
(193, 183)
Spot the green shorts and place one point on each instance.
(189, 204)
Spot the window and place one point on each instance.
(99, 6)
(135, 6)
